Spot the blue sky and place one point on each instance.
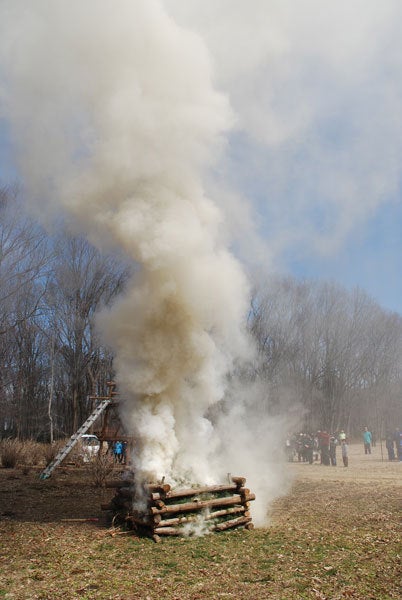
(370, 258)
(311, 170)
(316, 87)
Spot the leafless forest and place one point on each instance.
(333, 353)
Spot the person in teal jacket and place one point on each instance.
(367, 440)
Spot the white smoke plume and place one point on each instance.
(316, 86)
(116, 121)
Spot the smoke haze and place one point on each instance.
(116, 122)
(316, 86)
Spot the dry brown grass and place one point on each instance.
(335, 535)
(29, 453)
(11, 453)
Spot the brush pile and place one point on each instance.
(158, 510)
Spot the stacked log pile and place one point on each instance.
(158, 510)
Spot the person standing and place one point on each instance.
(289, 449)
(118, 451)
(342, 435)
(398, 443)
(367, 440)
(345, 453)
(124, 453)
(308, 448)
(332, 450)
(323, 443)
(389, 442)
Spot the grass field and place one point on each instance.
(335, 535)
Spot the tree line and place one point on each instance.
(51, 360)
(333, 354)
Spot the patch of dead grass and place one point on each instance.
(331, 537)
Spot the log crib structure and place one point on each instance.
(178, 512)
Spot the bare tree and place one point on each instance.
(24, 258)
(83, 281)
(328, 349)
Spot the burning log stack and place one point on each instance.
(180, 512)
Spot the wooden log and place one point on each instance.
(162, 488)
(177, 531)
(120, 503)
(143, 522)
(239, 481)
(126, 492)
(232, 523)
(208, 489)
(249, 526)
(118, 483)
(168, 531)
(148, 487)
(213, 515)
(228, 511)
(112, 484)
(196, 506)
(175, 521)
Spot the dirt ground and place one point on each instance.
(334, 535)
(68, 494)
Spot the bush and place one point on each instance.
(50, 451)
(11, 452)
(32, 453)
(100, 468)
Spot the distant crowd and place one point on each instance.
(317, 447)
(322, 446)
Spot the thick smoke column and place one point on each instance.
(116, 121)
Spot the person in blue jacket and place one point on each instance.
(118, 451)
(367, 440)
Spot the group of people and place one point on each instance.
(119, 451)
(320, 446)
(393, 443)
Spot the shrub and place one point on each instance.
(51, 450)
(100, 468)
(11, 451)
(32, 453)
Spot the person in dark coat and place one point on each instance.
(398, 443)
(389, 443)
(332, 450)
(323, 442)
(345, 453)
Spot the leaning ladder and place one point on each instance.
(74, 439)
